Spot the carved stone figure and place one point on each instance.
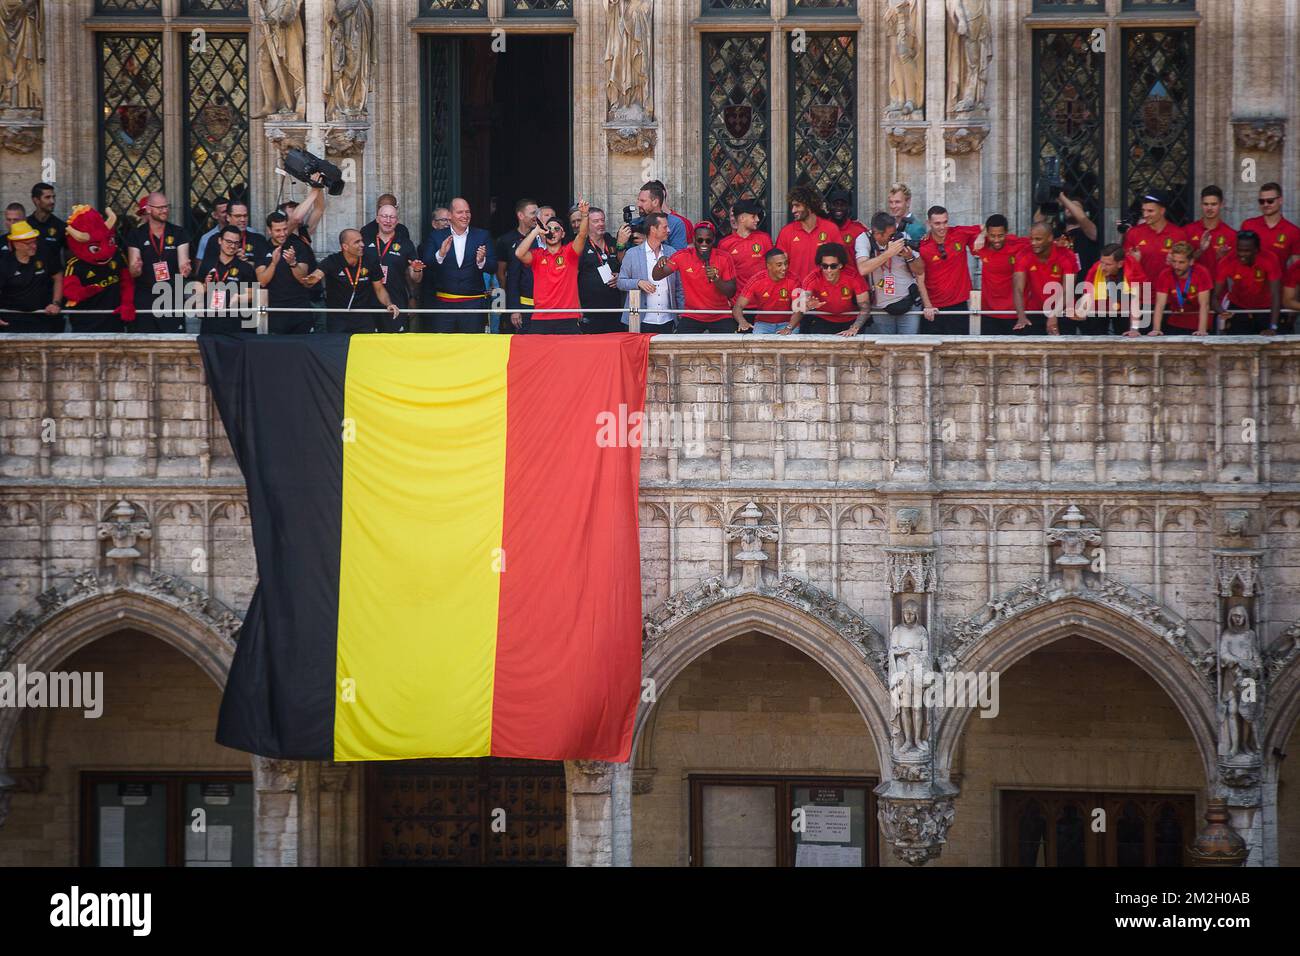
(22, 54)
(280, 61)
(905, 26)
(349, 57)
(909, 662)
(1240, 675)
(969, 48)
(629, 59)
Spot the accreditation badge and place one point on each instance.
(161, 273)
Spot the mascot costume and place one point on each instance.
(96, 275)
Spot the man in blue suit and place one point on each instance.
(657, 296)
(456, 259)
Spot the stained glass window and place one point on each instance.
(822, 6)
(216, 121)
(1160, 5)
(1157, 118)
(737, 131)
(1068, 114)
(1068, 6)
(733, 6)
(823, 112)
(526, 8)
(131, 125)
(214, 8)
(442, 8)
(130, 7)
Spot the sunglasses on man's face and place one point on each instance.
(704, 240)
(1268, 201)
(831, 265)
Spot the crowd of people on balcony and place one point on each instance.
(825, 272)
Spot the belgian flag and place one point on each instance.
(447, 548)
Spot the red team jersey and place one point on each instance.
(774, 298)
(839, 298)
(947, 276)
(747, 255)
(1223, 242)
(996, 296)
(1154, 246)
(555, 283)
(1248, 285)
(1039, 275)
(849, 232)
(801, 245)
(699, 292)
(1182, 310)
(1292, 278)
(1282, 240)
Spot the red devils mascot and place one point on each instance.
(96, 276)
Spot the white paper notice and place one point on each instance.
(220, 839)
(827, 824)
(812, 854)
(112, 836)
(196, 845)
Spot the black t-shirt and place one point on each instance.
(284, 290)
(51, 245)
(255, 245)
(393, 256)
(592, 291)
(224, 282)
(351, 287)
(164, 250)
(104, 276)
(403, 236)
(1088, 250)
(25, 287)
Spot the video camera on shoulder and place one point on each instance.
(1050, 187)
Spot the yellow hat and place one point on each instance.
(22, 230)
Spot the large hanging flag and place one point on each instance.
(446, 543)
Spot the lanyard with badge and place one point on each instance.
(219, 294)
(383, 252)
(603, 270)
(1181, 294)
(352, 280)
(161, 272)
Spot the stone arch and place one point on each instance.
(64, 620)
(799, 614)
(1282, 693)
(1025, 631)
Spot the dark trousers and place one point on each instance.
(472, 320)
(37, 322)
(554, 327)
(351, 322)
(820, 325)
(686, 325)
(147, 321)
(95, 323)
(945, 324)
(600, 323)
(291, 323)
(506, 327)
(1247, 323)
(997, 325)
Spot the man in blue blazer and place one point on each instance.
(455, 260)
(634, 273)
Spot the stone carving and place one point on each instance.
(789, 590)
(1234, 568)
(275, 776)
(629, 58)
(88, 585)
(349, 58)
(631, 140)
(21, 137)
(910, 570)
(22, 55)
(1218, 844)
(1286, 651)
(124, 530)
(908, 140)
(917, 829)
(911, 772)
(960, 140)
(905, 28)
(1240, 686)
(1073, 538)
(643, 780)
(589, 776)
(970, 50)
(280, 63)
(345, 140)
(1262, 136)
(909, 662)
(287, 138)
(1236, 524)
(909, 519)
(751, 557)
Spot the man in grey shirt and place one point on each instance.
(895, 274)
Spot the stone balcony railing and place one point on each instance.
(917, 414)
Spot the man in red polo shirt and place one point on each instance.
(1043, 280)
(772, 296)
(1149, 243)
(1277, 234)
(810, 229)
(708, 283)
(947, 274)
(1182, 292)
(555, 275)
(1212, 239)
(747, 244)
(1251, 280)
(839, 293)
(999, 251)
(1291, 288)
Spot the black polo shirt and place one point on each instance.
(223, 284)
(592, 291)
(25, 288)
(161, 258)
(350, 289)
(284, 291)
(394, 257)
(51, 244)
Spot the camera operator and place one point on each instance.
(894, 271)
(1073, 229)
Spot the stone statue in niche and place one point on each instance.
(905, 27)
(629, 58)
(1240, 673)
(22, 53)
(969, 50)
(280, 63)
(909, 663)
(349, 58)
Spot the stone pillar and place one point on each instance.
(599, 814)
(332, 785)
(275, 812)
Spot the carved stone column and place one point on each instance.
(599, 815)
(335, 778)
(275, 812)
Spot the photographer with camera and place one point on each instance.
(650, 200)
(1071, 227)
(893, 270)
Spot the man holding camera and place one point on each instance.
(895, 273)
(455, 260)
(707, 283)
(651, 199)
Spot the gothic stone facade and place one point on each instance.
(797, 493)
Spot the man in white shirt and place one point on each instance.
(660, 296)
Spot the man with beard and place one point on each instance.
(707, 284)
(228, 287)
(1252, 281)
(998, 250)
(354, 288)
(285, 272)
(800, 239)
(555, 275)
(598, 278)
(53, 230)
(1182, 292)
(158, 252)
